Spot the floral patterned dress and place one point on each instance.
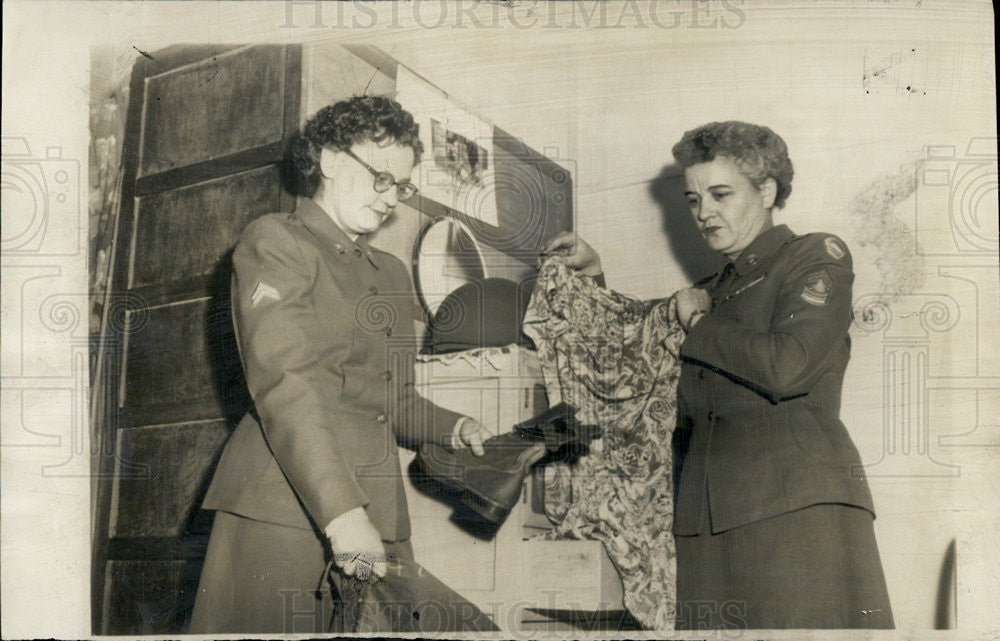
(615, 359)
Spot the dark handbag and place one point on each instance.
(408, 599)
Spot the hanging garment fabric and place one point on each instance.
(615, 359)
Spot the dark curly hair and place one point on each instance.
(348, 122)
(758, 152)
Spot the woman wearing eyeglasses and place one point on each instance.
(325, 326)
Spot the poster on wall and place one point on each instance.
(457, 169)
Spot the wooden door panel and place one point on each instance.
(204, 155)
(182, 365)
(162, 476)
(148, 597)
(219, 106)
(189, 232)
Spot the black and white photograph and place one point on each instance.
(513, 319)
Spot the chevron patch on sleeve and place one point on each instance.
(262, 292)
(817, 288)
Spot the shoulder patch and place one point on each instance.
(262, 292)
(834, 248)
(817, 288)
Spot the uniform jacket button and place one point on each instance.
(380, 418)
(711, 416)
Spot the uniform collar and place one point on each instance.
(330, 233)
(762, 247)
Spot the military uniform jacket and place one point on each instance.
(759, 432)
(325, 329)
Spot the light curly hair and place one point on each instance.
(757, 151)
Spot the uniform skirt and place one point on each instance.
(817, 567)
(260, 578)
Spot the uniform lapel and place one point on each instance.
(748, 270)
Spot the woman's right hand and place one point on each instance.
(692, 304)
(357, 546)
(578, 253)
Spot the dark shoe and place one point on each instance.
(558, 427)
(489, 485)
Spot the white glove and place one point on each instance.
(357, 546)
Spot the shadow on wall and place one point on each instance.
(945, 615)
(689, 248)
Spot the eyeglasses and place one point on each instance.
(384, 181)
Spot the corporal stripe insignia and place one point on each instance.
(834, 248)
(261, 292)
(817, 288)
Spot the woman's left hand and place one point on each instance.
(470, 433)
(692, 304)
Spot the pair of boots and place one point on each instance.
(490, 485)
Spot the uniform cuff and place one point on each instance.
(453, 440)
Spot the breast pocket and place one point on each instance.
(750, 302)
